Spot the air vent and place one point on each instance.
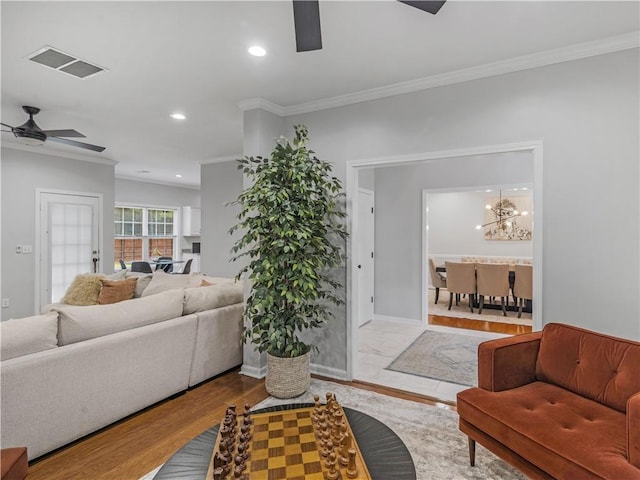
(63, 62)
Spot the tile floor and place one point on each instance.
(379, 342)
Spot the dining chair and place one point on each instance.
(461, 279)
(187, 267)
(438, 280)
(523, 285)
(123, 265)
(142, 267)
(167, 267)
(493, 281)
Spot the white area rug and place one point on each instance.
(439, 450)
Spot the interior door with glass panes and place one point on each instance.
(69, 241)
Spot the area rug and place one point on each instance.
(448, 357)
(439, 450)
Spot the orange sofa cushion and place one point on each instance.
(573, 437)
(596, 366)
(13, 463)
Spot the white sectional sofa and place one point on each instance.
(76, 369)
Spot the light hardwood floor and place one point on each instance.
(136, 445)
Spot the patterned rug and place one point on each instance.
(442, 356)
(439, 450)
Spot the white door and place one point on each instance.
(68, 241)
(365, 255)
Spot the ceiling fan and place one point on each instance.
(306, 19)
(31, 134)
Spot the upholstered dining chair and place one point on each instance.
(493, 281)
(461, 279)
(142, 267)
(523, 285)
(438, 280)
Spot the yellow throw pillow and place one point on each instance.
(84, 290)
(114, 291)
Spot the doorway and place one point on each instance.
(412, 317)
(68, 241)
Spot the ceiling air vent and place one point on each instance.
(63, 62)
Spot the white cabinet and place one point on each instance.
(190, 221)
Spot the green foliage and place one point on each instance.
(290, 218)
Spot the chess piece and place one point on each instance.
(333, 473)
(328, 449)
(346, 446)
(352, 470)
(218, 473)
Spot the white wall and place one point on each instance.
(452, 218)
(22, 173)
(398, 228)
(586, 112)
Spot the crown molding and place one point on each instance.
(42, 150)
(262, 104)
(540, 59)
(156, 182)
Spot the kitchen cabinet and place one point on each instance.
(190, 221)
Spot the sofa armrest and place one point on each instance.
(633, 430)
(508, 363)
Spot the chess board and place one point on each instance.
(286, 445)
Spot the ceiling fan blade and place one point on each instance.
(73, 143)
(306, 19)
(431, 7)
(63, 133)
(8, 126)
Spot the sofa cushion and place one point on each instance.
(205, 298)
(163, 281)
(565, 434)
(85, 288)
(82, 323)
(22, 336)
(143, 281)
(114, 291)
(593, 365)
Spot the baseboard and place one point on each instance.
(255, 372)
(315, 369)
(388, 318)
(328, 372)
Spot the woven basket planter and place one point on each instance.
(288, 377)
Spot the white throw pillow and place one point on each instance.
(163, 281)
(210, 297)
(143, 282)
(22, 336)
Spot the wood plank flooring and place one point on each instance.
(481, 325)
(136, 445)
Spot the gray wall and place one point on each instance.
(398, 227)
(153, 194)
(22, 173)
(587, 114)
(221, 183)
(367, 178)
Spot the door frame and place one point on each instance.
(38, 233)
(351, 184)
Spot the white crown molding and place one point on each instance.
(42, 150)
(540, 59)
(157, 182)
(226, 158)
(262, 104)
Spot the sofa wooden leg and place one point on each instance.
(472, 452)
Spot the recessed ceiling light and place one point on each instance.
(178, 116)
(178, 175)
(257, 51)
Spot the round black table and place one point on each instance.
(384, 453)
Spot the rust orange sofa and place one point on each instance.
(563, 403)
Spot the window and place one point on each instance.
(142, 233)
